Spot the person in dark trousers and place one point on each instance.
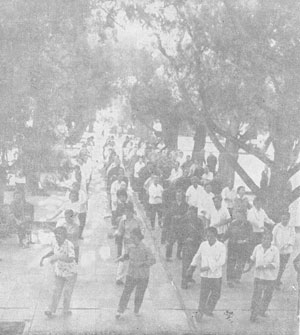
(174, 225)
(239, 236)
(265, 258)
(284, 237)
(212, 254)
(296, 264)
(140, 260)
(193, 230)
(155, 192)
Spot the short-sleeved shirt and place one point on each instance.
(64, 269)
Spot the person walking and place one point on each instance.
(240, 203)
(284, 237)
(228, 195)
(62, 256)
(194, 192)
(239, 236)
(155, 192)
(140, 260)
(265, 258)
(219, 217)
(212, 256)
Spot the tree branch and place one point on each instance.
(295, 194)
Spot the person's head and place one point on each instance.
(136, 236)
(122, 195)
(285, 218)
(141, 159)
(241, 191)
(76, 187)
(192, 212)
(208, 187)
(194, 181)
(18, 197)
(120, 178)
(60, 235)
(211, 235)
(129, 210)
(185, 173)
(257, 203)
(121, 172)
(218, 201)
(155, 179)
(179, 195)
(74, 196)
(267, 239)
(123, 185)
(69, 216)
(188, 158)
(177, 165)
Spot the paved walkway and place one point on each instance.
(25, 289)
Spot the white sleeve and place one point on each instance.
(196, 257)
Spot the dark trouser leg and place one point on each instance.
(257, 296)
(21, 233)
(58, 288)
(82, 221)
(231, 263)
(242, 256)
(159, 214)
(163, 234)
(185, 264)
(169, 249)
(216, 284)
(267, 295)
(205, 291)
(119, 243)
(141, 287)
(283, 262)
(128, 288)
(179, 246)
(76, 250)
(152, 214)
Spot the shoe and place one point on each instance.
(119, 282)
(118, 315)
(49, 314)
(230, 284)
(67, 313)
(199, 316)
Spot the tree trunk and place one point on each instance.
(226, 171)
(199, 143)
(170, 130)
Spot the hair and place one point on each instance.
(69, 211)
(218, 197)
(61, 230)
(212, 230)
(286, 213)
(74, 192)
(239, 188)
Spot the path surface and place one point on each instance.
(25, 289)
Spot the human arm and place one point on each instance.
(49, 254)
(268, 220)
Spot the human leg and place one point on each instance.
(130, 284)
(283, 262)
(68, 291)
(215, 287)
(141, 287)
(82, 221)
(59, 283)
(267, 295)
(205, 291)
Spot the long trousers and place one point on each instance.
(174, 234)
(153, 210)
(262, 295)
(131, 283)
(66, 285)
(188, 252)
(237, 258)
(210, 292)
(82, 221)
(76, 250)
(284, 258)
(256, 239)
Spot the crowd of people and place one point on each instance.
(212, 224)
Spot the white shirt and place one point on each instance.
(82, 200)
(207, 176)
(258, 218)
(205, 204)
(228, 196)
(218, 219)
(284, 238)
(115, 186)
(137, 168)
(155, 194)
(262, 258)
(213, 256)
(175, 174)
(193, 194)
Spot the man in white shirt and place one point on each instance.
(175, 173)
(265, 258)
(137, 167)
(228, 195)
(219, 217)
(194, 192)
(284, 237)
(258, 217)
(155, 202)
(205, 204)
(212, 256)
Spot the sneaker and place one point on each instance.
(49, 314)
(119, 282)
